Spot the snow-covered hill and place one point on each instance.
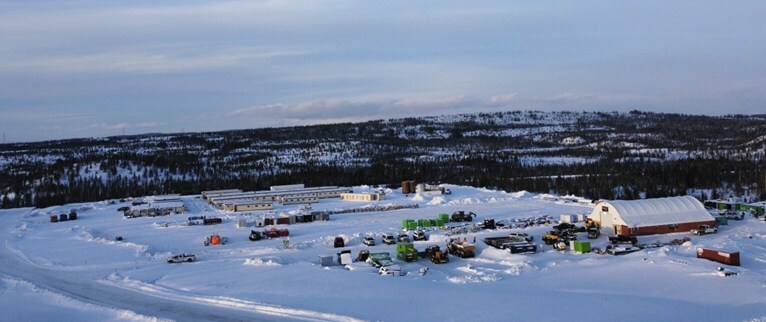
(76, 270)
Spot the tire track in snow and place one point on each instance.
(223, 302)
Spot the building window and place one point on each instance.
(604, 208)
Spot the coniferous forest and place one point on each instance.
(591, 154)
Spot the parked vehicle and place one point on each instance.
(180, 258)
(734, 215)
(488, 223)
(275, 233)
(704, 229)
(419, 235)
(555, 236)
(255, 235)
(391, 270)
(363, 255)
(339, 242)
(593, 233)
(436, 255)
(369, 240)
(403, 238)
(461, 249)
(623, 239)
(525, 236)
(389, 239)
(459, 216)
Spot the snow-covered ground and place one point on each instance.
(76, 270)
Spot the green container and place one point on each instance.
(403, 247)
(438, 222)
(582, 246)
(444, 217)
(412, 225)
(424, 222)
(409, 224)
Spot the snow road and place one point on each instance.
(102, 288)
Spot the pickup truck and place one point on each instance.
(734, 215)
(369, 240)
(704, 229)
(180, 258)
(388, 239)
(524, 236)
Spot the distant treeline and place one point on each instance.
(594, 155)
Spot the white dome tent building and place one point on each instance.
(650, 216)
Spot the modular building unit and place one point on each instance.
(208, 193)
(246, 205)
(728, 258)
(305, 199)
(287, 187)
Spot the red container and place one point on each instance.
(728, 258)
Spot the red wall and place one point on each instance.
(663, 229)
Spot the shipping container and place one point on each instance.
(581, 246)
(63, 217)
(54, 218)
(724, 257)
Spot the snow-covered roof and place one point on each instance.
(660, 211)
(239, 202)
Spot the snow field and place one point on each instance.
(262, 277)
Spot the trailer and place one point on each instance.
(379, 259)
(513, 244)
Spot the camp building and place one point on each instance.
(650, 216)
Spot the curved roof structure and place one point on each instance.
(660, 211)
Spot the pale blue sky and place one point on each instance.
(100, 68)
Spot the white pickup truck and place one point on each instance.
(704, 229)
(180, 258)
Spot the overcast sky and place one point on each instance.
(101, 68)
